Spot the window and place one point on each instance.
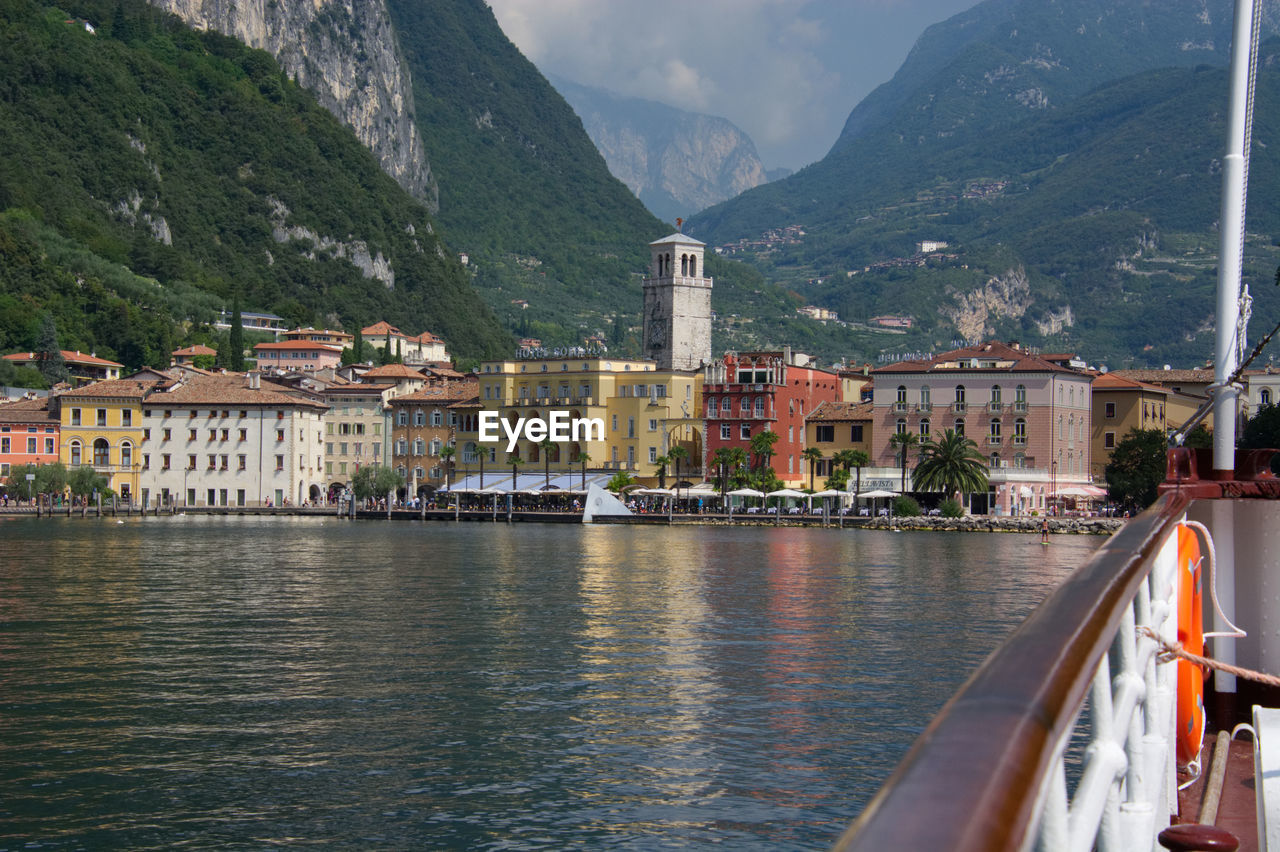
(279, 434)
(164, 462)
(995, 394)
(824, 433)
(166, 434)
(613, 423)
(75, 453)
(101, 453)
(924, 427)
(126, 417)
(653, 424)
(419, 417)
(759, 406)
(222, 462)
(726, 431)
(4, 446)
(213, 461)
(1264, 396)
(746, 431)
(902, 395)
(244, 434)
(855, 433)
(126, 455)
(402, 417)
(213, 435)
(925, 400)
(1020, 396)
(280, 463)
(711, 406)
(102, 417)
(437, 417)
(146, 461)
(631, 427)
(191, 464)
(745, 407)
(1109, 410)
(419, 447)
(993, 435)
(900, 426)
(1109, 440)
(436, 444)
(726, 406)
(48, 446)
(958, 427)
(31, 445)
(959, 405)
(1020, 431)
(75, 417)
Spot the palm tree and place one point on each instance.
(723, 459)
(515, 462)
(762, 447)
(446, 456)
(856, 459)
(904, 441)
(662, 462)
(584, 458)
(737, 461)
(812, 455)
(677, 454)
(950, 464)
(547, 446)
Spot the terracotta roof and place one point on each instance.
(394, 371)
(1112, 382)
(1158, 377)
(349, 388)
(230, 390)
(841, 411)
(382, 328)
(198, 349)
(469, 402)
(26, 411)
(447, 392)
(116, 389)
(69, 357)
(1007, 360)
(427, 337)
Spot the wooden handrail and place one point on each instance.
(971, 780)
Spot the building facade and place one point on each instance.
(29, 434)
(101, 426)
(424, 423)
(834, 427)
(232, 440)
(82, 366)
(302, 355)
(357, 431)
(1119, 405)
(1030, 418)
(749, 393)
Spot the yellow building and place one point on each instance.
(101, 426)
(626, 412)
(1119, 405)
(836, 426)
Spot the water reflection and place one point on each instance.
(250, 681)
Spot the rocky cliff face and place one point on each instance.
(676, 162)
(345, 53)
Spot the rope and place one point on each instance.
(1169, 652)
(1235, 632)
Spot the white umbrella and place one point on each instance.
(746, 492)
(830, 492)
(654, 492)
(786, 492)
(879, 492)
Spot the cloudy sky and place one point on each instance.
(785, 71)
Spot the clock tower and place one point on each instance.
(677, 304)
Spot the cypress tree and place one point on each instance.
(49, 360)
(385, 357)
(357, 346)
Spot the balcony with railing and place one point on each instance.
(958, 407)
(995, 406)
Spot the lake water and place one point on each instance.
(249, 682)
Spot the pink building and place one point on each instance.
(1030, 418)
(28, 435)
(305, 355)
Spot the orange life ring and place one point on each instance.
(1191, 636)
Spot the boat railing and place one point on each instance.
(991, 769)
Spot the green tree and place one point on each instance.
(357, 347)
(838, 480)
(1136, 468)
(722, 459)
(385, 355)
(903, 442)
(235, 339)
(84, 481)
(950, 464)
(812, 455)
(762, 448)
(1262, 430)
(375, 480)
(677, 454)
(662, 462)
(619, 481)
(446, 456)
(49, 360)
(856, 460)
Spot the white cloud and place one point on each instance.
(785, 71)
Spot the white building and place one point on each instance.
(231, 440)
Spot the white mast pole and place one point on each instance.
(1231, 246)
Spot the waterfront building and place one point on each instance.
(304, 355)
(405, 380)
(834, 427)
(1029, 417)
(28, 435)
(357, 431)
(1119, 405)
(1262, 388)
(676, 332)
(752, 392)
(623, 395)
(252, 321)
(101, 425)
(855, 383)
(83, 367)
(231, 440)
(425, 422)
(1189, 390)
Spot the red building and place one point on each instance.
(28, 435)
(750, 392)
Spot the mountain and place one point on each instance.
(676, 162)
(1067, 154)
(150, 174)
